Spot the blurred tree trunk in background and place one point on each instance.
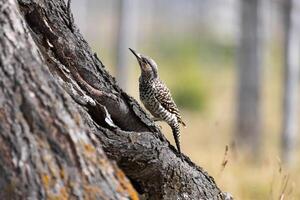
(80, 7)
(248, 130)
(291, 21)
(126, 37)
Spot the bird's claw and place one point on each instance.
(159, 126)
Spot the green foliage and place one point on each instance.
(194, 52)
(189, 96)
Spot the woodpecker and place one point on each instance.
(156, 97)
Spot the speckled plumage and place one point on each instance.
(157, 98)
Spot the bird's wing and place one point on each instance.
(165, 98)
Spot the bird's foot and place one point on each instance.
(159, 126)
(155, 119)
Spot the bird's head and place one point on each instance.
(147, 65)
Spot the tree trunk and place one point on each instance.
(80, 7)
(248, 129)
(291, 78)
(126, 37)
(47, 150)
(51, 144)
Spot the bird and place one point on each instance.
(156, 96)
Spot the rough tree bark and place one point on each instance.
(51, 143)
(46, 150)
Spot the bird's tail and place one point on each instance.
(176, 134)
(181, 122)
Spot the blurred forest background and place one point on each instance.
(233, 69)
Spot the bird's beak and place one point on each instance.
(135, 54)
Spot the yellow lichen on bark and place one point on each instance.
(92, 192)
(125, 186)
